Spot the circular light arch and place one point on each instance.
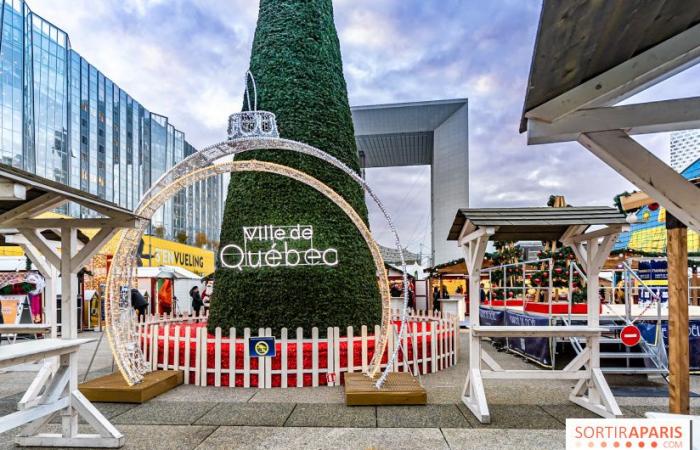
(121, 326)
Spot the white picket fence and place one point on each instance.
(431, 341)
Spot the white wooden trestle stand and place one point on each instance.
(55, 388)
(591, 390)
(57, 393)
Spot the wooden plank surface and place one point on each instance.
(401, 388)
(113, 388)
(25, 328)
(35, 350)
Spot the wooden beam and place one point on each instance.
(634, 162)
(603, 232)
(89, 250)
(69, 283)
(36, 258)
(604, 251)
(104, 210)
(38, 241)
(33, 207)
(9, 190)
(534, 374)
(581, 254)
(44, 224)
(624, 80)
(486, 231)
(643, 118)
(678, 351)
(635, 201)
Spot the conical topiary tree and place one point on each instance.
(298, 72)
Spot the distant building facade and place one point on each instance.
(432, 133)
(685, 149)
(64, 120)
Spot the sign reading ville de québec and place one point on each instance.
(277, 246)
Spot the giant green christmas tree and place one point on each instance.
(299, 76)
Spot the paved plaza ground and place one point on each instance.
(525, 414)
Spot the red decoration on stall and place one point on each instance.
(653, 206)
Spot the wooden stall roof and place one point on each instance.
(535, 224)
(37, 186)
(455, 267)
(580, 39)
(49, 235)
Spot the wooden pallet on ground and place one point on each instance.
(401, 388)
(113, 389)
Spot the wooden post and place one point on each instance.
(695, 287)
(69, 325)
(678, 352)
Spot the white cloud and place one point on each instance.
(185, 59)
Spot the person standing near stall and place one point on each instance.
(197, 302)
(138, 302)
(436, 297)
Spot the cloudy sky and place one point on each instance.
(185, 59)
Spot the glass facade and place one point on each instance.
(64, 120)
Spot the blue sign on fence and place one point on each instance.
(262, 346)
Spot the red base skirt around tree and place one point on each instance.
(435, 348)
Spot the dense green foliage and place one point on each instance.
(298, 71)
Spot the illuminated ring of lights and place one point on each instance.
(120, 327)
(123, 324)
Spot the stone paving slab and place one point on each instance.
(248, 414)
(164, 437)
(138, 437)
(109, 410)
(324, 438)
(321, 394)
(192, 393)
(639, 410)
(529, 417)
(484, 439)
(7, 407)
(164, 413)
(14, 398)
(445, 395)
(562, 412)
(527, 392)
(332, 415)
(428, 416)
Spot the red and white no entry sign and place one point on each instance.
(630, 335)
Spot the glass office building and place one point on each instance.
(64, 120)
(685, 149)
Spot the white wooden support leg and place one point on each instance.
(31, 396)
(486, 358)
(474, 395)
(593, 393)
(58, 397)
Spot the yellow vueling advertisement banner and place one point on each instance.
(167, 253)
